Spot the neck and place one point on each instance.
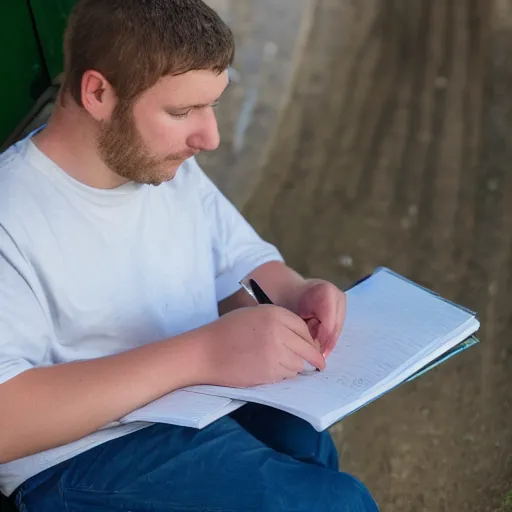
(70, 141)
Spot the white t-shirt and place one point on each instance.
(86, 273)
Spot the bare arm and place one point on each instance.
(47, 407)
(281, 283)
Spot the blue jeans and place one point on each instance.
(256, 459)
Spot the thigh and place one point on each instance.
(288, 434)
(220, 468)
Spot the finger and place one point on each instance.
(294, 364)
(286, 372)
(306, 336)
(331, 339)
(340, 316)
(327, 329)
(307, 352)
(328, 340)
(299, 327)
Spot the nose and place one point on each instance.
(206, 137)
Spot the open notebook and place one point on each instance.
(394, 331)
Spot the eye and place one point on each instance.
(181, 115)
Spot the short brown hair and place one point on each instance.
(133, 43)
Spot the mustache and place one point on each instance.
(182, 156)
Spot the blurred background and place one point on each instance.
(361, 133)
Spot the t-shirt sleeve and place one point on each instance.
(237, 247)
(24, 329)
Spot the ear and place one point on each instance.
(98, 96)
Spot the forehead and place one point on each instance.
(192, 88)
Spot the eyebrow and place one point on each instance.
(200, 105)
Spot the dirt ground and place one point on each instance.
(396, 150)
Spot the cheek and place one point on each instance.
(161, 134)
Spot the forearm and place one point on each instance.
(281, 283)
(47, 407)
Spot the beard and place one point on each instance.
(122, 149)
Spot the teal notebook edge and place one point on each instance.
(461, 347)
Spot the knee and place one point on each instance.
(317, 489)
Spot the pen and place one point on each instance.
(259, 294)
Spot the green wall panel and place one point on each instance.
(23, 76)
(51, 18)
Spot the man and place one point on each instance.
(117, 255)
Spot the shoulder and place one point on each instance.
(17, 185)
(12, 173)
(11, 164)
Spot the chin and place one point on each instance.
(164, 174)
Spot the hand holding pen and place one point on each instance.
(255, 290)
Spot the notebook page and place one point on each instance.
(390, 324)
(185, 409)
(444, 345)
(398, 377)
